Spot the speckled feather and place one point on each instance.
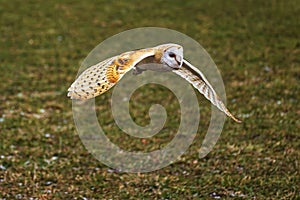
(91, 82)
(99, 78)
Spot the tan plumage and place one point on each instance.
(101, 77)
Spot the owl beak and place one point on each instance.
(179, 60)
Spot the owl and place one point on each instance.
(99, 78)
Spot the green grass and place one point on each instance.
(42, 45)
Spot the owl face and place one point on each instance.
(173, 56)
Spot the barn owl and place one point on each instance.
(99, 78)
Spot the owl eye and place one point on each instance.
(172, 55)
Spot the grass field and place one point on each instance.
(256, 47)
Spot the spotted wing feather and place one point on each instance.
(99, 78)
(92, 82)
(198, 80)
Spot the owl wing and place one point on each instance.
(99, 78)
(194, 76)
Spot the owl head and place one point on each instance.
(171, 55)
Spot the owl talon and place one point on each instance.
(136, 71)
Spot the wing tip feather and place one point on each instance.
(236, 119)
(229, 114)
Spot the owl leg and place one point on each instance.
(137, 71)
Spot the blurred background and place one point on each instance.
(256, 47)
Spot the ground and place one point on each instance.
(256, 47)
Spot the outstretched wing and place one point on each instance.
(198, 80)
(99, 78)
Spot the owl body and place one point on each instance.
(99, 78)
